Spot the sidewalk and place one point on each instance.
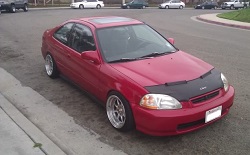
(19, 136)
(212, 18)
(55, 132)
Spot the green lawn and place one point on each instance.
(242, 15)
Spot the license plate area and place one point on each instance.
(213, 114)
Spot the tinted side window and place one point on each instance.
(63, 33)
(82, 39)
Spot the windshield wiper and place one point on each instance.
(123, 60)
(155, 54)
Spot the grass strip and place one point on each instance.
(242, 15)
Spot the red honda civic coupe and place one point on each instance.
(142, 79)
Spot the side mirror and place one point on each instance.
(91, 56)
(171, 40)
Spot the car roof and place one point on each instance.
(109, 21)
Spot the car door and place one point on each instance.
(172, 4)
(177, 4)
(210, 5)
(18, 3)
(85, 3)
(86, 72)
(238, 3)
(60, 47)
(92, 3)
(136, 4)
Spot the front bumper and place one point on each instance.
(161, 7)
(123, 6)
(174, 122)
(74, 6)
(225, 6)
(198, 7)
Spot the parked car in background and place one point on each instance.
(172, 4)
(13, 5)
(235, 4)
(135, 4)
(87, 4)
(142, 79)
(207, 5)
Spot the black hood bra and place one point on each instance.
(185, 90)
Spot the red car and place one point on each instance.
(143, 80)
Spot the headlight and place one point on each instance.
(124, 4)
(159, 101)
(225, 82)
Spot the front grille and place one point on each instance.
(191, 124)
(204, 98)
(198, 123)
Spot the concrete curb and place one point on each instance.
(201, 18)
(47, 124)
(37, 136)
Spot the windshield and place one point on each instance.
(132, 42)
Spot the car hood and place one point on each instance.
(178, 66)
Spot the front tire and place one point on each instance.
(128, 7)
(166, 7)
(231, 7)
(119, 112)
(81, 6)
(50, 66)
(12, 8)
(203, 7)
(215, 7)
(98, 6)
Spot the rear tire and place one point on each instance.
(180, 7)
(50, 66)
(215, 7)
(25, 8)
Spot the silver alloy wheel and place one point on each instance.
(116, 111)
(49, 65)
(98, 6)
(143, 6)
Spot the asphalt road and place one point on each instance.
(225, 48)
